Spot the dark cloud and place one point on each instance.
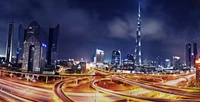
(167, 25)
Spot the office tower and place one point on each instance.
(9, 42)
(35, 49)
(99, 56)
(159, 61)
(130, 56)
(176, 62)
(197, 73)
(116, 58)
(81, 66)
(128, 63)
(53, 45)
(20, 44)
(188, 55)
(137, 55)
(167, 63)
(195, 52)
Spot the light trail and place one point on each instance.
(127, 96)
(58, 89)
(157, 88)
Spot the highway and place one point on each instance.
(128, 96)
(157, 88)
(12, 98)
(21, 92)
(26, 92)
(58, 89)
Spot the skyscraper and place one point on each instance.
(188, 55)
(130, 56)
(9, 42)
(53, 45)
(159, 61)
(137, 55)
(167, 63)
(116, 58)
(20, 44)
(128, 63)
(195, 52)
(99, 56)
(35, 49)
(176, 62)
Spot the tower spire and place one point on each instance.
(137, 55)
(139, 8)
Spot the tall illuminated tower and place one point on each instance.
(137, 56)
(116, 58)
(9, 43)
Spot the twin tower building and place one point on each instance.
(35, 48)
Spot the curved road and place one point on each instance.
(157, 88)
(58, 90)
(94, 85)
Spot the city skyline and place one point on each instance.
(99, 50)
(87, 26)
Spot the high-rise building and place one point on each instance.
(116, 58)
(159, 61)
(130, 56)
(188, 55)
(128, 63)
(35, 49)
(53, 45)
(9, 48)
(167, 63)
(176, 61)
(20, 44)
(99, 56)
(195, 53)
(137, 55)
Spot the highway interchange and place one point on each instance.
(99, 85)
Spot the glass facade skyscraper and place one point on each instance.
(35, 49)
(20, 44)
(53, 45)
(9, 48)
(116, 58)
(195, 53)
(99, 56)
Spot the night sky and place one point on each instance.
(167, 25)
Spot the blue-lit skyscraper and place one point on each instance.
(53, 45)
(137, 55)
(35, 49)
(20, 44)
(10, 42)
(116, 58)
